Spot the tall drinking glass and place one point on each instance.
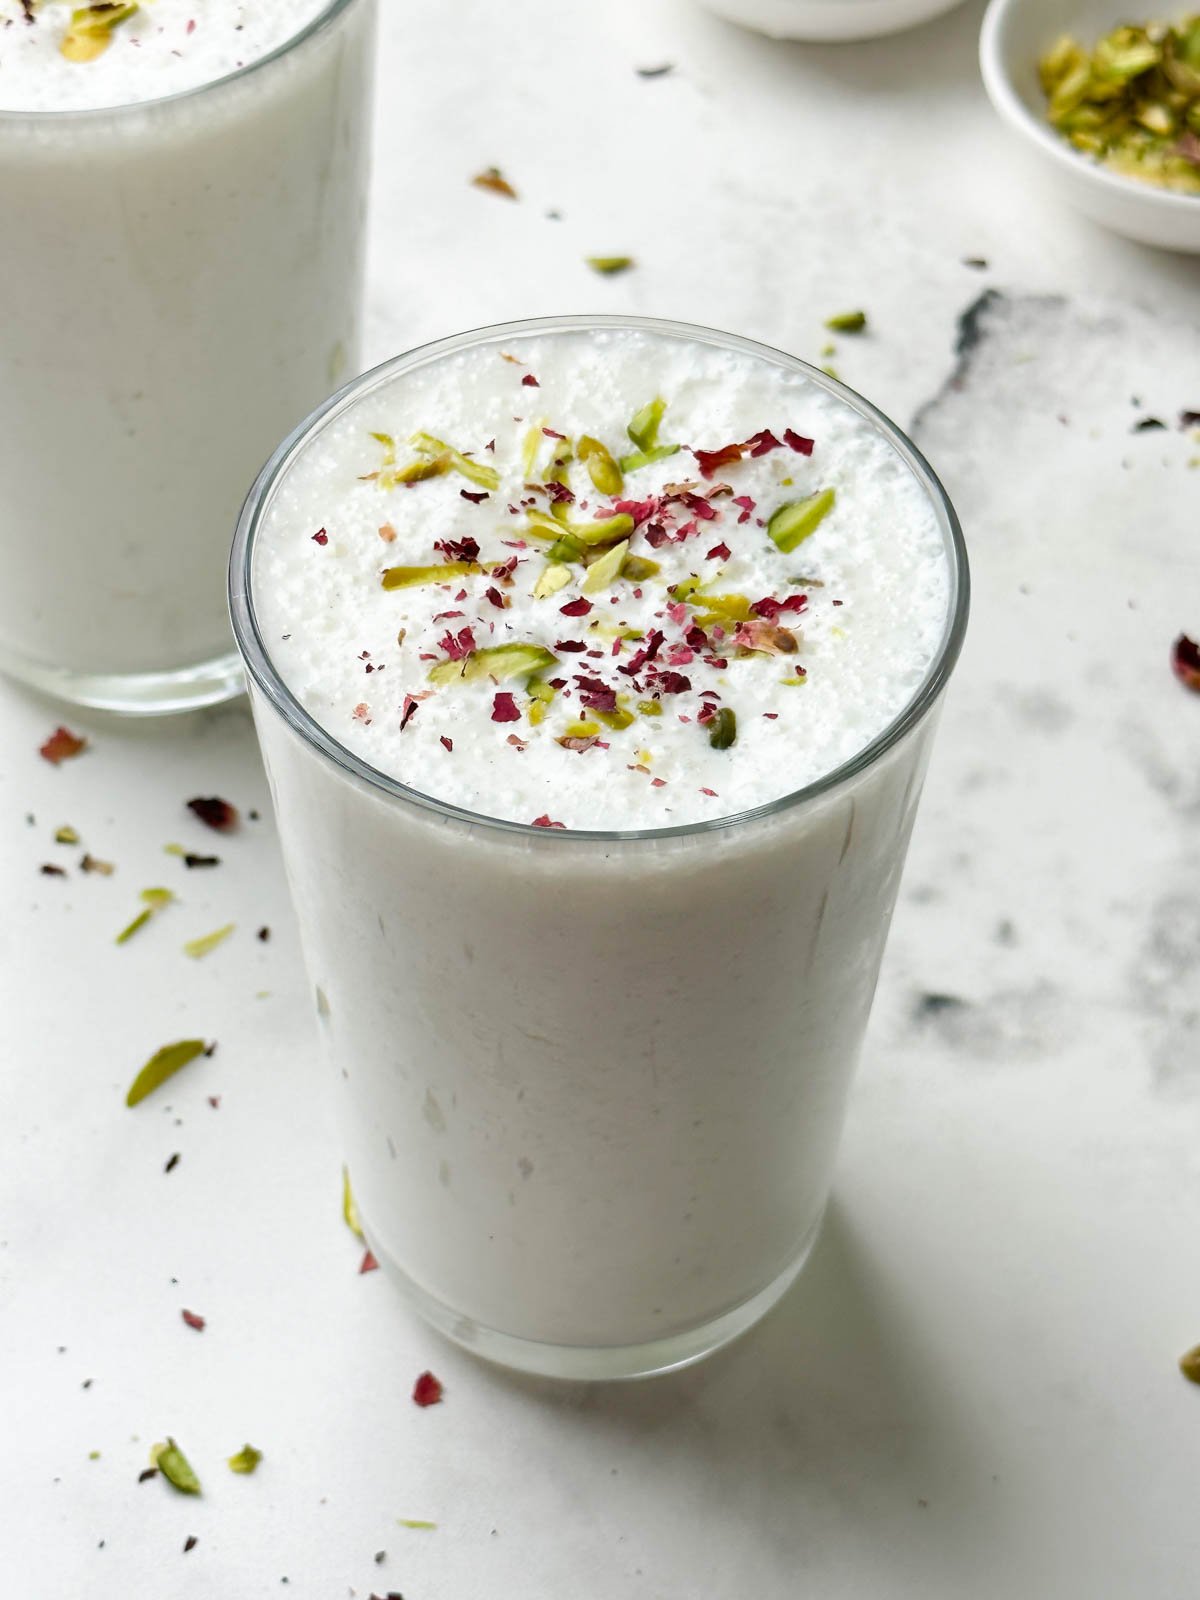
(591, 1083)
(183, 282)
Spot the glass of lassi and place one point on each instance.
(182, 189)
(595, 664)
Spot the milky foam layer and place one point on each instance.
(803, 656)
(164, 48)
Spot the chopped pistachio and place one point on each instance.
(529, 450)
(196, 948)
(603, 531)
(847, 322)
(415, 1522)
(153, 900)
(647, 458)
(620, 718)
(91, 29)
(638, 568)
(581, 730)
(1132, 102)
(795, 521)
(602, 469)
(65, 836)
(567, 548)
(609, 265)
(721, 608)
(552, 578)
(502, 661)
(536, 713)
(175, 1467)
(407, 577)
(643, 429)
(163, 1064)
(650, 708)
(794, 683)
(246, 1459)
(1189, 1365)
(722, 729)
(607, 570)
(426, 445)
(349, 1209)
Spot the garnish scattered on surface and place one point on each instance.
(193, 1320)
(416, 1522)
(245, 1460)
(61, 746)
(655, 72)
(65, 836)
(847, 322)
(367, 1264)
(153, 900)
(1133, 101)
(91, 29)
(349, 1208)
(427, 1391)
(1185, 662)
(90, 863)
(214, 813)
(198, 948)
(163, 1064)
(494, 181)
(175, 1467)
(609, 266)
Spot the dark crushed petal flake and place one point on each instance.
(214, 812)
(193, 1320)
(61, 746)
(1185, 662)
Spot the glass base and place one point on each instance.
(137, 694)
(586, 1363)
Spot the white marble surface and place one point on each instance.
(973, 1390)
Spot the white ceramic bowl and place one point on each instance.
(829, 19)
(1015, 34)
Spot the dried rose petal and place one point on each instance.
(61, 746)
(410, 711)
(798, 442)
(711, 461)
(367, 1264)
(214, 813)
(193, 1321)
(320, 537)
(719, 552)
(1185, 662)
(449, 743)
(544, 822)
(530, 382)
(760, 444)
(504, 708)
(427, 1391)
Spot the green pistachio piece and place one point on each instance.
(197, 948)
(417, 1523)
(603, 531)
(602, 469)
(426, 445)
(650, 708)
(647, 458)
(608, 265)
(543, 692)
(581, 730)
(163, 1064)
(554, 577)
(65, 836)
(643, 429)
(795, 521)
(502, 662)
(153, 900)
(407, 577)
(615, 719)
(534, 440)
(638, 568)
(847, 322)
(247, 1457)
(567, 548)
(721, 607)
(685, 588)
(601, 574)
(175, 1467)
(1189, 1365)
(349, 1208)
(91, 29)
(722, 729)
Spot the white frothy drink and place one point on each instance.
(614, 581)
(185, 186)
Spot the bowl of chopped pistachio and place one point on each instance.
(1111, 106)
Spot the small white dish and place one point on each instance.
(1016, 33)
(829, 19)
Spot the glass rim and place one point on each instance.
(261, 668)
(315, 25)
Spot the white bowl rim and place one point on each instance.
(997, 80)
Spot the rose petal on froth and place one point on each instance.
(428, 1390)
(504, 708)
(1185, 662)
